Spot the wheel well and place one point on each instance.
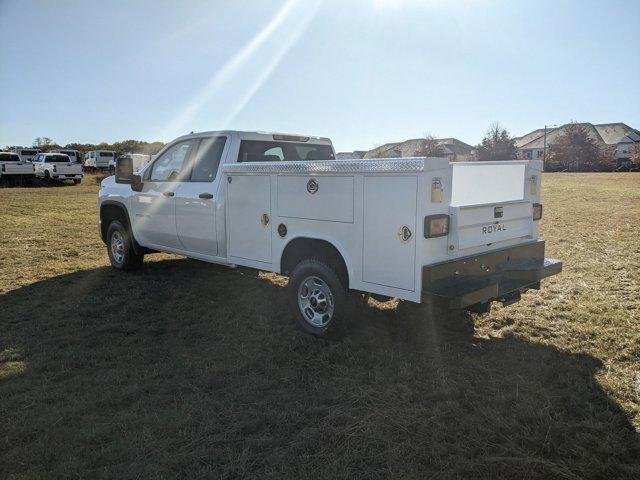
(111, 212)
(302, 248)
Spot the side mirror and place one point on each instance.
(124, 170)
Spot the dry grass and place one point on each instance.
(191, 370)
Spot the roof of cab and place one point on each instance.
(259, 135)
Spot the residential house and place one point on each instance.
(617, 135)
(454, 149)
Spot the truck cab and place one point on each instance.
(417, 229)
(74, 155)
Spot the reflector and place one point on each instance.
(537, 211)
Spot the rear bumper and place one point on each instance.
(499, 275)
(63, 176)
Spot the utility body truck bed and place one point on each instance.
(417, 229)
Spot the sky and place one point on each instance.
(362, 72)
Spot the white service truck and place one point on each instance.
(99, 160)
(13, 168)
(25, 154)
(417, 229)
(139, 160)
(56, 166)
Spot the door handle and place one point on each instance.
(206, 195)
(168, 194)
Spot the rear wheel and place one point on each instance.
(47, 175)
(120, 248)
(316, 296)
(76, 181)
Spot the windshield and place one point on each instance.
(259, 151)
(9, 157)
(57, 159)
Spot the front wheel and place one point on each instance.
(120, 248)
(316, 296)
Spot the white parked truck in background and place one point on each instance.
(139, 160)
(12, 168)
(56, 166)
(417, 229)
(99, 159)
(25, 154)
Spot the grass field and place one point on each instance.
(191, 370)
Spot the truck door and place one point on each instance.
(196, 200)
(154, 208)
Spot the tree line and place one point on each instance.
(46, 144)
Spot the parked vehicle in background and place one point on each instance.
(99, 160)
(13, 169)
(417, 229)
(139, 160)
(56, 166)
(25, 154)
(74, 155)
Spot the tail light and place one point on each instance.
(54, 169)
(436, 226)
(4, 167)
(537, 211)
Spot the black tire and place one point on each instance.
(47, 175)
(129, 260)
(76, 181)
(304, 272)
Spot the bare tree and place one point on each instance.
(634, 156)
(497, 144)
(41, 142)
(431, 147)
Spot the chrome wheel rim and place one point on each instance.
(315, 301)
(117, 247)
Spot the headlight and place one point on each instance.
(436, 226)
(537, 211)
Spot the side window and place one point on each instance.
(206, 161)
(171, 165)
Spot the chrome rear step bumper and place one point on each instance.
(500, 275)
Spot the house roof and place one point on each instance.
(412, 147)
(608, 133)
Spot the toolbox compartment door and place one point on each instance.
(389, 249)
(249, 218)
